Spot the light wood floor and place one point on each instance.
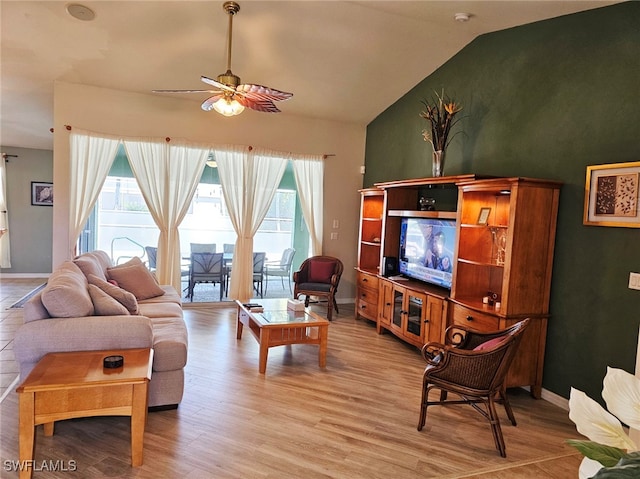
(355, 419)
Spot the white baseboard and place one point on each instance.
(24, 275)
(555, 399)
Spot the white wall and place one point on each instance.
(132, 114)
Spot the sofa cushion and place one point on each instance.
(103, 304)
(136, 279)
(124, 297)
(66, 294)
(170, 296)
(34, 309)
(160, 310)
(89, 264)
(169, 344)
(103, 258)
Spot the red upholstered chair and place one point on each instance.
(319, 276)
(474, 366)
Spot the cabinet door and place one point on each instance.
(414, 312)
(385, 303)
(434, 320)
(398, 308)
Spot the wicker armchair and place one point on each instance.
(474, 366)
(319, 276)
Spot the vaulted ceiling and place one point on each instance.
(343, 60)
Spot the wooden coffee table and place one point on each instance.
(75, 384)
(278, 326)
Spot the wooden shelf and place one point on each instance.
(371, 243)
(480, 263)
(466, 225)
(441, 180)
(450, 215)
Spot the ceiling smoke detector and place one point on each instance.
(462, 17)
(80, 12)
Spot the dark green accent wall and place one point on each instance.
(545, 100)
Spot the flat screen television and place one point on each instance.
(426, 249)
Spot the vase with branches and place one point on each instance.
(440, 112)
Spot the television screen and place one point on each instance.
(426, 249)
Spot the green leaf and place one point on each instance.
(628, 467)
(606, 455)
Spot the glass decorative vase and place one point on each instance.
(437, 165)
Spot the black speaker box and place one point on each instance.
(389, 266)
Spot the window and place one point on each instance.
(122, 225)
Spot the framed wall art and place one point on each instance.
(41, 193)
(611, 195)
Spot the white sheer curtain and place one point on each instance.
(168, 175)
(5, 246)
(309, 174)
(249, 179)
(91, 158)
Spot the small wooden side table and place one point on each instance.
(75, 384)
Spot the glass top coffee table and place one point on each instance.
(278, 326)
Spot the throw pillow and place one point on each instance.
(66, 294)
(320, 271)
(490, 343)
(104, 304)
(137, 280)
(89, 264)
(125, 298)
(132, 262)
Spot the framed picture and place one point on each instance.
(41, 193)
(483, 217)
(611, 195)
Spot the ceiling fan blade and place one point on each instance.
(186, 91)
(207, 105)
(260, 92)
(263, 105)
(216, 83)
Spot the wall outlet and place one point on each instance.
(634, 281)
(334, 236)
(336, 224)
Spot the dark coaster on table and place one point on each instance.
(111, 362)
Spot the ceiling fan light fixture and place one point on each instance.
(230, 97)
(228, 107)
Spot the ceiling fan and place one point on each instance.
(231, 97)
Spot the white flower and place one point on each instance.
(593, 421)
(622, 395)
(608, 439)
(588, 468)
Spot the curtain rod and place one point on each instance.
(168, 139)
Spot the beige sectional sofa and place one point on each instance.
(88, 304)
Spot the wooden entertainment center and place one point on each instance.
(501, 272)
